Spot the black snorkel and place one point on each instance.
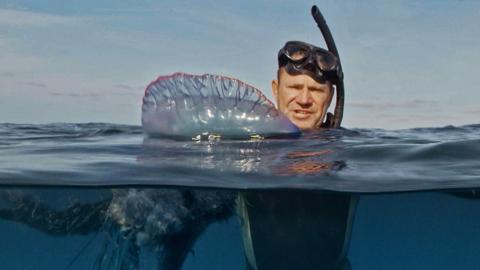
(332, 121)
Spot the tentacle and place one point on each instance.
(79, 218)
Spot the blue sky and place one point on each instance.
(407, 63)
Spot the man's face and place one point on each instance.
(302, 99)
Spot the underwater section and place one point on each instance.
(192, 229)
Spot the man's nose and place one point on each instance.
(304, 97)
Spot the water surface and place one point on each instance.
(358, 160)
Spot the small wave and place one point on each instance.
(452, 151)
(57, 131)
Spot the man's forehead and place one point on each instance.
(302, 79)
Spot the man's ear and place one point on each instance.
(275, 89)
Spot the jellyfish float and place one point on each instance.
(195, 106)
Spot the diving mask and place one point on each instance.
(302, 58)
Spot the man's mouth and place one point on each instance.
(301, 114)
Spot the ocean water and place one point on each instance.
(102, 196)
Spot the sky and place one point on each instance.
(406, 63)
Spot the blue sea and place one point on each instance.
(104, 196)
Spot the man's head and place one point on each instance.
(303, 88)
(302, 99)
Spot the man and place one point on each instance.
(288, 229)
(304, 86)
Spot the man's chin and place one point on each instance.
(303, 125)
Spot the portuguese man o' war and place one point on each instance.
(192, 106)
(166, 222)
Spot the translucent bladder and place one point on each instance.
(197, 106)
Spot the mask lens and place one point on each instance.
(325, 61)
(296, 53)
